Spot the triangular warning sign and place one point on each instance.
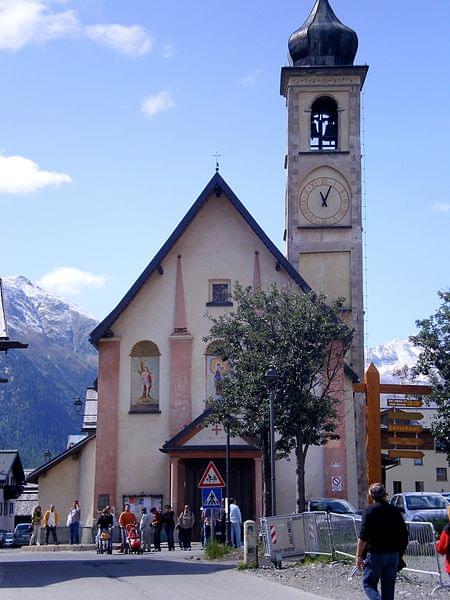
(211, 500)
(211, 477)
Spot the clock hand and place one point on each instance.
(324, 200)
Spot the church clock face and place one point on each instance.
(324, 201)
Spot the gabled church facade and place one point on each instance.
(155, 371)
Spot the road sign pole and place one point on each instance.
(227, 484)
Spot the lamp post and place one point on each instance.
(227, 481)
(271, 376)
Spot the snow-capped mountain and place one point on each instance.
(392, 356)
(36, 405)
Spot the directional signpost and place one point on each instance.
(211, 484)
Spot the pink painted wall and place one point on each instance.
(180, 382)
(107, 419)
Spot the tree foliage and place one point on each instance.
(434, 362)
(306, 343)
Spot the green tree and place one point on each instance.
(434, 362)
(301, 337)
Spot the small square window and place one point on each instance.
(441, 474)
(219, 293)
(419, 486)
(418, 462)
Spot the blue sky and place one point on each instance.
(112, 110)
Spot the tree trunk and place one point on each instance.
(267, 495)
(300, 474)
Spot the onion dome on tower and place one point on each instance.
(322, 40)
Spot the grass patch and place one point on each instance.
(251, 565)
(214, 550)
(311, 560)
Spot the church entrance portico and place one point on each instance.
(190, 452)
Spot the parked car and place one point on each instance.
(22, 534)
(446, 495)
(9, 541)
(430, 507)
(334, 505)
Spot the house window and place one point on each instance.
(11, 509)
(1, 506)
(441, 474)
(397, 487)
(103, 502)
(324, 124)
(419, 486)
(219, 293)
(440, 446)
(144, 363)
(5, 509)
(418, 462)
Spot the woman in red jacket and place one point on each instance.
(443, 546)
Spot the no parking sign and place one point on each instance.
(336, 483)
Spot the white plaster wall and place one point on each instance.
(218, 244)
(408, 473)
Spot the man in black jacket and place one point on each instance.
(383, 538)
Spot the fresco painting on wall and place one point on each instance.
(216, 368)
(145, 383)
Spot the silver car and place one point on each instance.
(421, 506)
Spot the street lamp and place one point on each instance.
(227, 481)
(47, 455)
(78, 404)
(271, 376)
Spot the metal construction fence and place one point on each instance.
(336, 535)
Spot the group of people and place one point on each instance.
(50, 520)
(383, 539)
(152, 523)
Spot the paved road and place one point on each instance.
(87, 576)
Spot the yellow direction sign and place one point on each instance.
(404, 415)
(404, 402)
(405, 441)
(405, 454)
(405, 428)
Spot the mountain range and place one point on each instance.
(36, 405)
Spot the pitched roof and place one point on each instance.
(33, 477)
(218, 186)
(10, 461)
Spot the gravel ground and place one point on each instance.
(330, 579)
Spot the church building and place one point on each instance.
(156, 373)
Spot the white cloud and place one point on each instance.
(251, 79)
(31, 21)
(157, 103)
(167, 51)
(441, 208)
(19, 175)
(70, 281)
(133, 41)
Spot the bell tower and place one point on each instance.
(323, 231)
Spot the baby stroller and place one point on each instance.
(133, 541)
(104, 541)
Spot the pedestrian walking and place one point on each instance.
(51, 520)
(36, 522)
(157, 526)
(168, 519)
(145, 526)
(383, 539)
(185, 523)
(235, 523)
(73, 522)
(126, 517)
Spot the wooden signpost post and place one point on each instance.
(373, 388)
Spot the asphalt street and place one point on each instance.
(86, 576)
